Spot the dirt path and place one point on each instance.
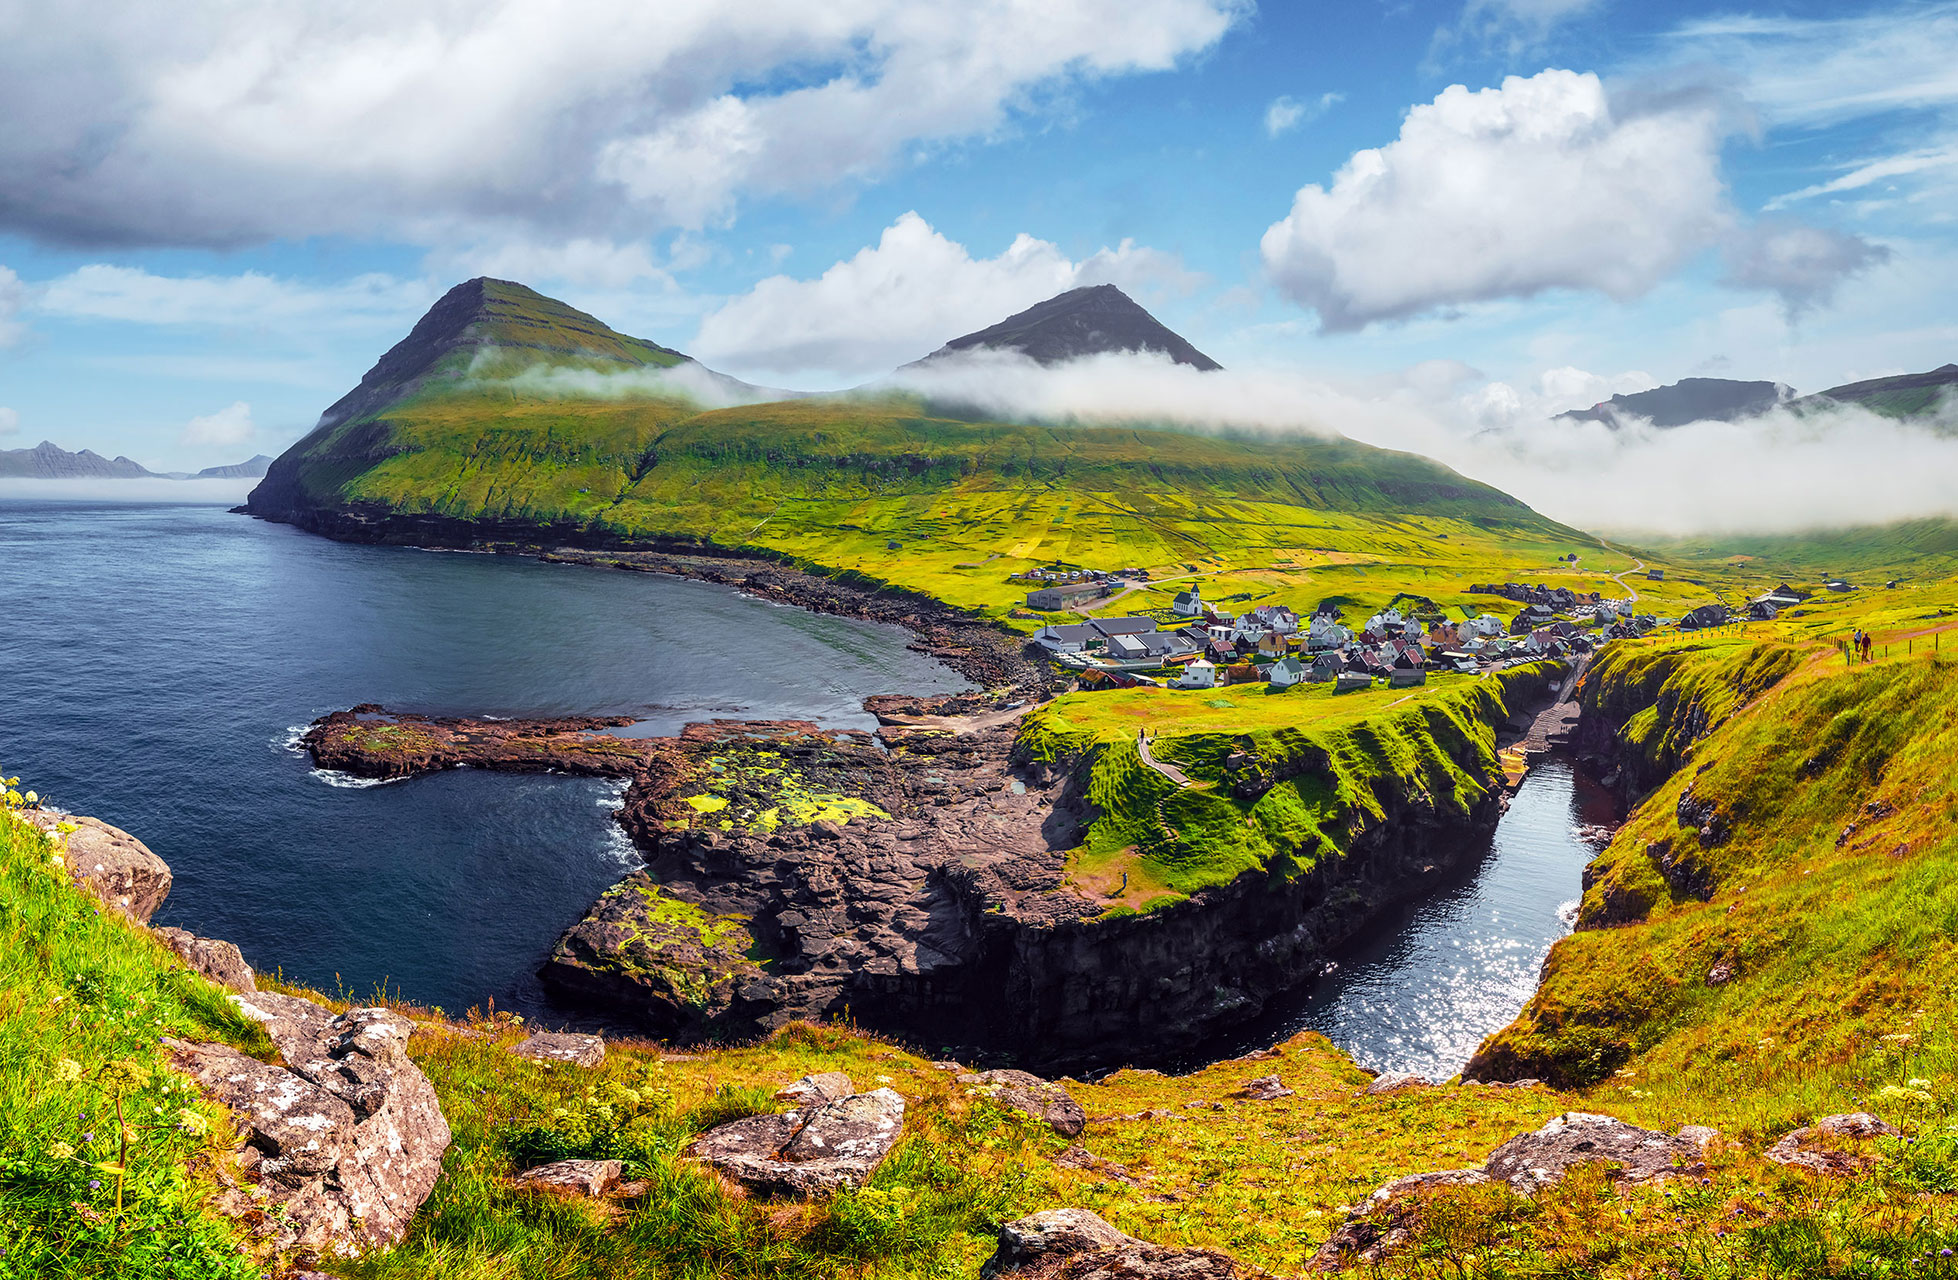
(1638, 566)
(1169, 771)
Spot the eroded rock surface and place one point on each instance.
(1074, 1244)
(1386, 1221)
(1264, 1089)
(1026, 1092)
(574, 1177)
(346, 1138)
(815, 1090)
(811, 1151)
(1537, 1159)
(1395, 1082)
(370, 741)
(1811, 1147)
(567, 1047)
(216, 959)
(108, 862)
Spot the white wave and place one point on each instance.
(289, 741)
(334, 778)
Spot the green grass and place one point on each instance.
(83, 999)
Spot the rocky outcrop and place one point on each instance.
(1263, 1089)
(1538, 1159)
(1396, 1082)
(567, 1048)
(108, 862)
(369, 741)
(815, 1090)
(214, 958)
(1830, 1145)
(1389, 1217)
(810, 1151)
(591, 1178)
(1025, 1092)
(1074, 1244)
(1386, 1221)
(345, 1140)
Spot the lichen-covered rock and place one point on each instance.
(1395, 1082)
(568, 1047)
(807, 1152)
(1074, 1244)
(1539, 1158)
(1807, 1148)
(677, 968)
(216, 959)
(575, 1177)
(1386, 1220)
(346, 1137)
(108, 862)
(815, 1090)
(1264, 1089)
(1026, 1092)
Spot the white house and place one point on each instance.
(1286, 672)
(1487, 624)
(1188, 604)
(1276, 618)
(1200, 674)
(1325, 633)
(1386, 620)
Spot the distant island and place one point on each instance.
(49, 461)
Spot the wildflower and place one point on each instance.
(33, 798)
(67, 1069)
(61, 1151)
(95, 1184)
(193, 1123)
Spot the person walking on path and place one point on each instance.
(1869, 643)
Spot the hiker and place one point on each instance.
(1869, 642)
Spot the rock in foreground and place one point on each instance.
(568, 1047)
(346, 1138)
(1074, 1244)
(1537, 1159)
(574, 1177)
(1806, 1148)
(216, 959)
(809, 1152)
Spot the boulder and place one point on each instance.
(567, 1047)
(815, 1090)
(1386, 1220)
(1804, 1148)
(1395, 1081)
(1264, 1089)
(1074, 1244)
(1026, 1092)
(216, 959)
(1537, 1159)
(346, 1138)
(810, 1151)
(109, 862)
(576, 1177)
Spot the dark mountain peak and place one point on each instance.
(252, 468)
(1081, 322)
(1688, 400)
(487, 315)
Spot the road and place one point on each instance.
(1619, 578)
(1169, 771)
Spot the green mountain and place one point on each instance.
(1908, 395)
(506, 415)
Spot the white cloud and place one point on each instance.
(250, 300)
(228, 426)
(1513, 24)
(1815, 71)
(1837, 469)
(1287, 113)
(9, 421)
(1868, 173)
(211, 122)
(13, 297)
(904, 297)
(1801, 265)
(580, 260)
(1542, 183)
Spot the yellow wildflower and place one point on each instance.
(67, 1069)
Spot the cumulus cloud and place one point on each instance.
(216, 123)
(1801, 265)
(1840, 468)
(904, 297)
(13, 298)
(250, 300)
(1543, 183)
(1287, 113)
(9, 421)
(228, 426)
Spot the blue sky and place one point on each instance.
(213, 220)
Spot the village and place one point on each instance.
(1195, 644)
